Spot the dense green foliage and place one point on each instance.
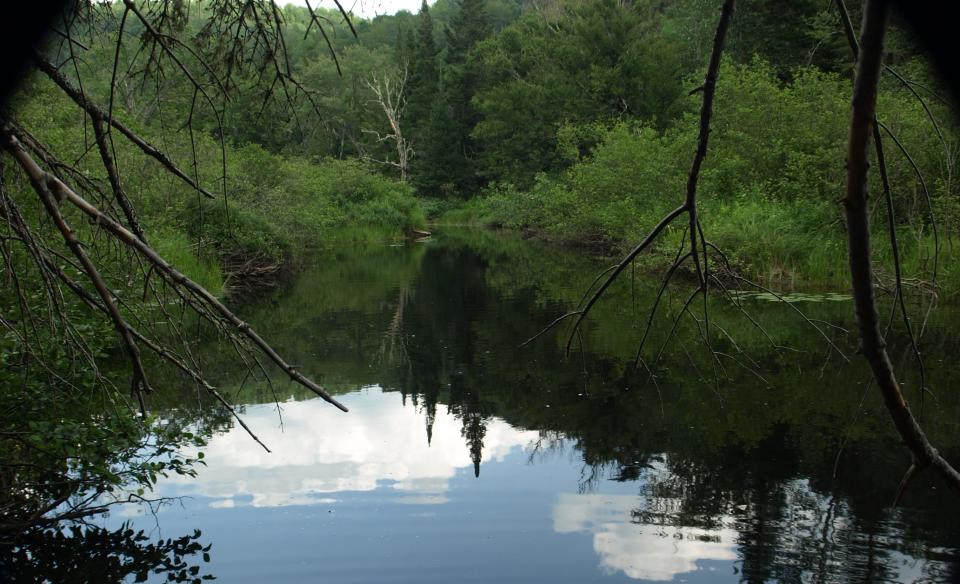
(600, 61)
(274, 205)
(573, 120)
(769, 188)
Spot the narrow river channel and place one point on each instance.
(467, 459)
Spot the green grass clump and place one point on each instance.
(176, 248)
(236, 232)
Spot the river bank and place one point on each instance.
(785, 258)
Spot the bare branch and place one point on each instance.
(41, 182)
(869, 63)
(204, 299)
(697, 241)
(81, 100)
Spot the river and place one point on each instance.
(465, 458)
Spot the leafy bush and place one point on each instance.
(278, 206)
(236, 232)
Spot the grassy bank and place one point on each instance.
(281, 209)
(770, 243)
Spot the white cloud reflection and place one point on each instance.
(643, 552)
(321, 450)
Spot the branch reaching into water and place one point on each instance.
(899, 300)
(862, 126)
(698, 245)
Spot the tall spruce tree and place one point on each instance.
(467, 28)
(436, 169)
(424, 80)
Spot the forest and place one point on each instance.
(211, 150)
(571, 121)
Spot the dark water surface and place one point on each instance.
(467, 459)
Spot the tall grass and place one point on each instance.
(179, 250)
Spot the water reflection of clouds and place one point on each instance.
(320, 450)
(644, 552)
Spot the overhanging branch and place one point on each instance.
(864, 103)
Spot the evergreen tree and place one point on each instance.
(423, 82)
(466, 29)
(783, 33)
(599, 61)
(437, 167)
(403, 51)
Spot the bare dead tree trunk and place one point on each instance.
(869, 65)
(391, 99)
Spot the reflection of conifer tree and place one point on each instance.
(465, 400)
(444, 304)
(431, 416)
(474, 429)
(758, 534)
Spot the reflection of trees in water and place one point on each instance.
(448, 298)
(393, 345)
(786, 530)
(788, 533)
(92, 554)
(474, 429)
(734, 457)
